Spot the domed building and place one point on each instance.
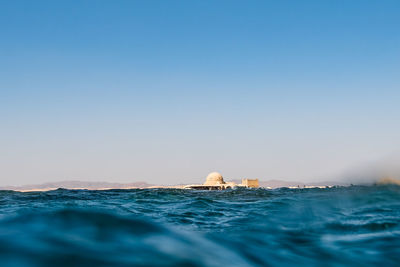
(214, 178)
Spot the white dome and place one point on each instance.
(214, 178)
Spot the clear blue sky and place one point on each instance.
(167, 91)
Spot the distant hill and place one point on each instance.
(78, 185)
(281, 183)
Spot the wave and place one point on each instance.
(68, 237)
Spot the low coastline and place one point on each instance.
(182, 187)
(214, 181)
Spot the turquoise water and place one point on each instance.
(357, 225)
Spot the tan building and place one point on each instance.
(253, 183)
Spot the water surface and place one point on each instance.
(343, 226)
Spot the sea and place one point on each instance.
(339, 226)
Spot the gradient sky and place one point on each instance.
(167, 91)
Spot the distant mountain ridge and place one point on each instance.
(79, 185)
(279, 183)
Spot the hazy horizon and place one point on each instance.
(168, 91)
(369, 172)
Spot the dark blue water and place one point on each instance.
(357, 225)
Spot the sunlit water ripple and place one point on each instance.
(357, 225)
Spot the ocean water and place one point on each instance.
(343, 226)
